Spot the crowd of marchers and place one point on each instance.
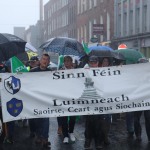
(97, 127)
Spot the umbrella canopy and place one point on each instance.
(131, 55)
(31, 54)
(10, 45)
(115, 58)
(99, 47)
(106, 53)
(24, 57)
(101, 52)
(29, 47)
(64, 46)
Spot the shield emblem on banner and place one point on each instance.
(14, 107)
(12, 85)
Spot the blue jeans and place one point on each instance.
(32, 125)
(10, 129)
(130, 122)
(42, 128)
(137, 125)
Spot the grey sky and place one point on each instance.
(19, 13)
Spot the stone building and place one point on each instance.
(132, 24)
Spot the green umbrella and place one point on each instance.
(131, 55)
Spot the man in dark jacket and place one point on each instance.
(41, 125)
(137, 117)
(93, 123)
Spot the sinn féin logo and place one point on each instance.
(14, 107)
(89, 91)
(12, 85)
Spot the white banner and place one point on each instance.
(76, 92)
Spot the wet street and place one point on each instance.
(117, 136)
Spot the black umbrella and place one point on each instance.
(115, 58)
(10, 45)
(23, 56)
(104, 53)
(63, 46)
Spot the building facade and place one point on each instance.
(56, 14)
(76, 18)
(92, 14)
(132, 24)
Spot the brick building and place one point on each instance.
(75, 19)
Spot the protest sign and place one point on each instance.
(76, 92)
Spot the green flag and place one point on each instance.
(17, 65)
(60, 61)
(86, 49)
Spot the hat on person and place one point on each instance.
(34, 58)
(93, 59)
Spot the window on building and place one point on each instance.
(90, 4)
(95, 3)
(67, 17)
(52, 26)
(78, 7)
(57, 22)
(125, 5)
(94, 22)
(119, 25)
(82, 6)
(85, 35)
(90, 29)
(85, 5)
(78, 34)
(131, 22)
(144, 18)
(48, 30)
(54, 7)
(82, 36)
(137, 21)
(119, 8)
(101, 22)
(50, 12)
(125, 24)
(108, 27)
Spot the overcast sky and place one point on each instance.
(18, 13)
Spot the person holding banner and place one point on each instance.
(9, 126)
(105, 63)
(68, 124)
(94, 124)
(137, 116)
(41, 125)
(34, 62)
(2, 134)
